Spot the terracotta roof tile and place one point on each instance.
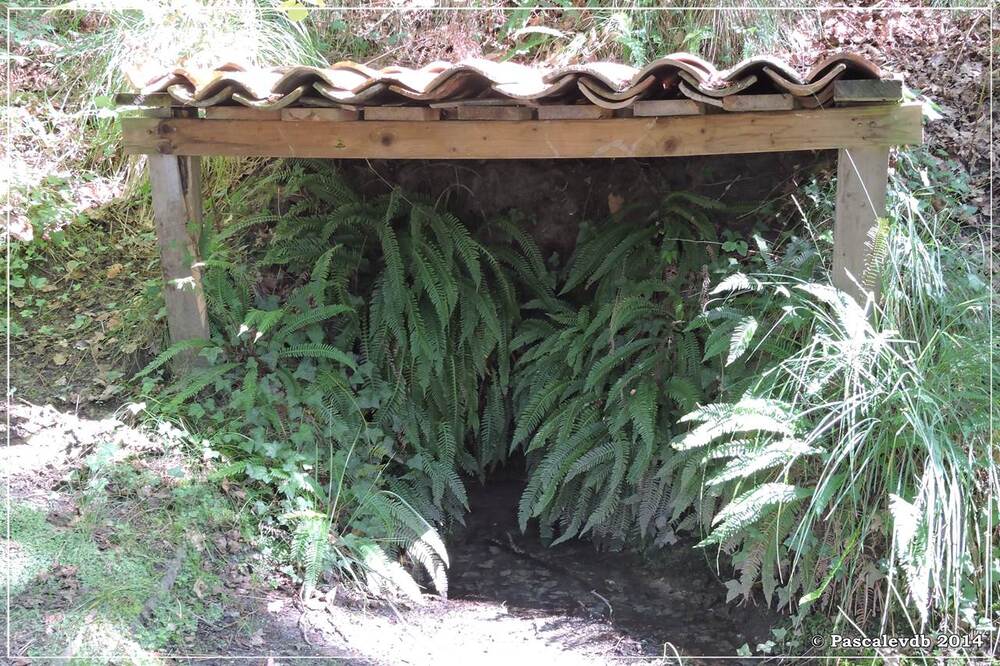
(606, 84)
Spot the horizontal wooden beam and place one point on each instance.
(152, 99)
(849, 92)
(712, 134)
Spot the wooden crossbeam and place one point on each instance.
(857, 91)
(713, 134)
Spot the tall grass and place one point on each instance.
(94, 45)
(644, 30)
(195, 33)
(855, 445)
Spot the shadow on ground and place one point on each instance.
(678, 600)
(121, 552)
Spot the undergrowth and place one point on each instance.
(851, 444)
(369, 356)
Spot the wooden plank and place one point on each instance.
(850, 92)
(191, 182)
(176, 202)
(746, 103)
(862, 175)
(153, 112)
(151, 99)
(573, 112)
(485, 101)
(668, 107)
(719, 134)
(402, 113)
(240, 113)
(312, 115)
(494, 113)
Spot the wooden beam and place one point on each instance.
(402, 113)
(668, 107)
(532, 139)
(469, 112)
(573, 112)
(150, 99)
(865, 91)
(313, 115)
(747, 103)
(240, 113)
(175, 184)
(862, 177)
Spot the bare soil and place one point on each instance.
(511, 599)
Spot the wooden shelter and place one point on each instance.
(862, 120)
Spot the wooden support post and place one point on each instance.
(862, 177)
(176, 186)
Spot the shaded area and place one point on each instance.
(675, 599)
(556, 196)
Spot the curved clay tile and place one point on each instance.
(806, 89)
(698, 97)
(756, 65)
(601, 101)
(613, 75)
(273, 102)
(351, 66)
(207, 86)
(175, 76)
(460, 85)
(608, 94)
(367, 95)
(721, 88)
(607, 84)
(857, 67)
(535, 90)
(182, 94)
(696, 67)
(340, 78)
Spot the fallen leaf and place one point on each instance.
(114, 270)
(59, 359)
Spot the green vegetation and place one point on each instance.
(372, 355)
(841, 459)
(87, 574)
(605, 369)
(853, 447)
(316, 394)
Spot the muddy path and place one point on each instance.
(677, 599)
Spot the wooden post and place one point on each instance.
(862, 177)
(176, 186)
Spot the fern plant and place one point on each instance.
(437, 334)
(376, 326)
(435, 337)
(288, 401)
(604, 369)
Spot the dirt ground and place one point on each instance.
(512, 599)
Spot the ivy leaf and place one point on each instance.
(294, 10)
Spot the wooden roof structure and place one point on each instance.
(860, 117)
